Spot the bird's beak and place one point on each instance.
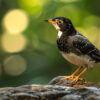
(50, 21)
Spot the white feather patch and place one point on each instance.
(59, 34)
(79, 60)
(56, 26)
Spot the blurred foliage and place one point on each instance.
(39, 61)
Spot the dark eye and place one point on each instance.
(60, 22)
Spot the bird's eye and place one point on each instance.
(60, 22)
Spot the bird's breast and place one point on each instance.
(62, 43)
(82, 60)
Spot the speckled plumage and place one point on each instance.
(79, 48)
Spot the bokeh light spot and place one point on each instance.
(14, 65)
(32, 6)
(15, 21)
(13, 43)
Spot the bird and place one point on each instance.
(74, 47)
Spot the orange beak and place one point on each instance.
(50, 21)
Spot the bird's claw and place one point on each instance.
(75, 80)
(66, 77)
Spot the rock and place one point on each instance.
(53, 91)
(80, 83)
(71, 97)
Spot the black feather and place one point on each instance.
(85, 47)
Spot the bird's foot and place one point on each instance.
(71, 80)
(75, 79)
(66, 77)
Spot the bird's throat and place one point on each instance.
(59, 34)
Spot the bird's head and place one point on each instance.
(61, 23)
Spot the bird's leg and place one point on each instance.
(73, 75)
(77, 77)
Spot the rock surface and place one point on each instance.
(53, 91)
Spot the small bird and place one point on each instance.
(75, 47)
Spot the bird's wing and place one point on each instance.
(85, 47)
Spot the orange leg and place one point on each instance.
(77, 77)
(73, 75)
